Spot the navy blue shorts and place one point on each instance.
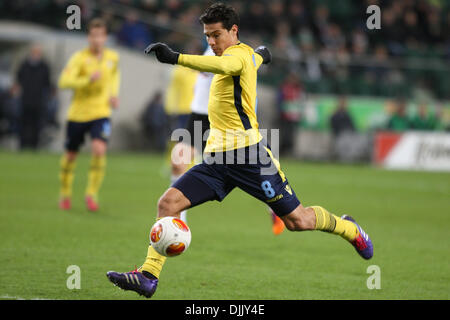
(252, 169)
(76, 131)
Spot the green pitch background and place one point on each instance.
(233, 254)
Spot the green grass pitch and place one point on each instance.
(233, 253)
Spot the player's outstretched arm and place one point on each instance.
(227, 64)
(264, 53)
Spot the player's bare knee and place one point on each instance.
(165, 206)
(98, 147)
(100, 152)
(171, 203)
(71, 156)
(300, 220)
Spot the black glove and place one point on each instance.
(163, 52)
(264, 53)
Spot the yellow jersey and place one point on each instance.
(91, 100)
(232, 98)
(180, 92)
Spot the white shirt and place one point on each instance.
(201, 91)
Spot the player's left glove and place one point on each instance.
(264, 53)
(163, 52)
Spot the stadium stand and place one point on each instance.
(326, 41)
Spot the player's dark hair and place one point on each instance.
(97, 23)
(220, 12)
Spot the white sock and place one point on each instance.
(183, 216)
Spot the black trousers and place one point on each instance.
(30, 127)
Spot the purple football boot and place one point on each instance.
(362, 242)
(134, 280)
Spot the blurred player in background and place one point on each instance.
(179, 95)
(94, 76)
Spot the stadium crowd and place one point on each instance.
(320, 46)
(326, 41)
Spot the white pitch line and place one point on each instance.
(20, 298)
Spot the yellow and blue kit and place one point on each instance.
(90, 109)
(232, 99)
(236, 154)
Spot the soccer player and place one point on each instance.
(94, 76)
(233, 133)
(183, 154)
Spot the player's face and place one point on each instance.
(220, 38)
(97, 38)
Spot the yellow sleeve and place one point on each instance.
(70, 76)
(115, 81)
(226, 64)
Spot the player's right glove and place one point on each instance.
(264, 53)
(163, 52)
